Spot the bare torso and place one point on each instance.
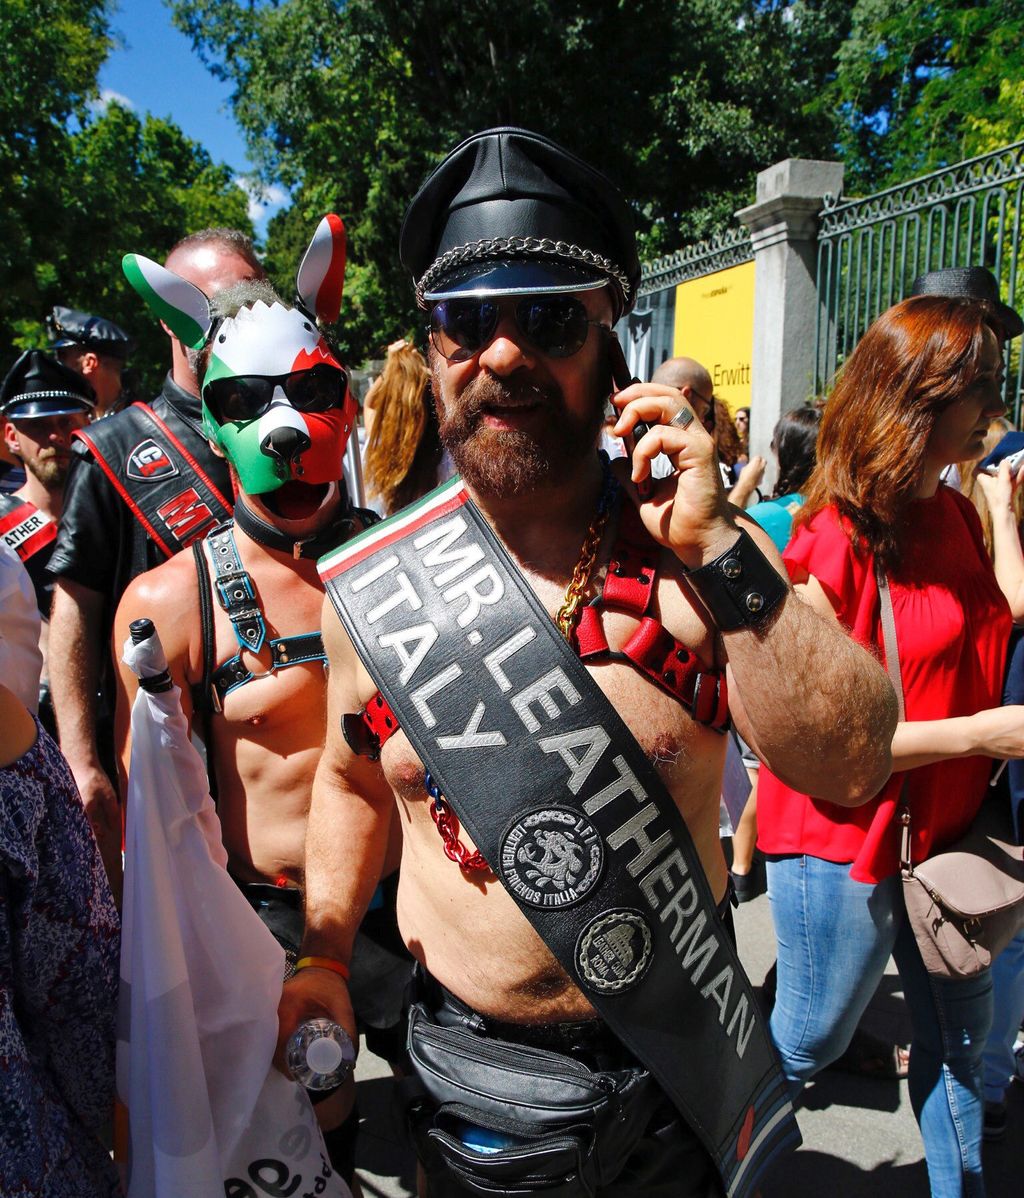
(266, 743)
(465, 928)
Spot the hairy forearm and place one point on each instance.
(818, 708)
(74, 660)
(346, 843)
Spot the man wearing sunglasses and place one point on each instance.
(523, 257)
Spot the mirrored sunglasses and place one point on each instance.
(556, 325)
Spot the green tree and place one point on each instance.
(82, 186)
(921, 84)
(49, 52)
(350, 104)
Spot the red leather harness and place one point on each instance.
(652, 649)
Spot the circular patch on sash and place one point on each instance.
(551, 857)
(614, 951)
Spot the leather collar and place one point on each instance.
(340, 529)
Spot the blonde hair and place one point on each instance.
(403, 451)
(997, 430)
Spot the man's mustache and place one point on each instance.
(489, 393)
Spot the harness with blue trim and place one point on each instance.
(233, 587)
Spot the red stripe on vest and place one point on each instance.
(119, 487)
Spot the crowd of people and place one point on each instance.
(468, 758)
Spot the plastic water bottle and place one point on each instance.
(320, 1054)
(484, 1140)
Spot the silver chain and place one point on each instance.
(505, 247)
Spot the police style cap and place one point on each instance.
(102, 336)
(509, 212)
(38, 385)
(970, 282)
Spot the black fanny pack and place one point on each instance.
(512, 1119)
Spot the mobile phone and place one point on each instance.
(621, 379)
(1011, 446)
(1015, 460)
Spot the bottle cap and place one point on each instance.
(324, 1055)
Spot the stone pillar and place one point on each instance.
(783, 225)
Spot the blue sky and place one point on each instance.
(156, 71)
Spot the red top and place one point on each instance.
(952, 628)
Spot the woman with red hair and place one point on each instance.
(917, 393)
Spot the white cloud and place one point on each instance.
(107, 97)
(264, 200)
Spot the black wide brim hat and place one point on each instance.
(38, 385)
(509, 212)
(974, 283)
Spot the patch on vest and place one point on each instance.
(148, 463)
(552, 857)
(614, 951)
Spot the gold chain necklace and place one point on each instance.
(568, 614)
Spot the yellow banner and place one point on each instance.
(715, 325)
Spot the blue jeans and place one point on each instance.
(835, 937)
(1008, 1010)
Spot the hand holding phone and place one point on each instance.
(1015, 460)
(621, 379)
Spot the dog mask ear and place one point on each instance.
(180, 305)
(321, 274)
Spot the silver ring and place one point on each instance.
(682, 419)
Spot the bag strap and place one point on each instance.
(889, 642)
(892, 666)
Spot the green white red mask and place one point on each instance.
(282, 443)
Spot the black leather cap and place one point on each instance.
(510, 212)
(38, 385)
(970, 282)
(102, 336)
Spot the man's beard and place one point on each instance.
(501, 463)
(52, 472)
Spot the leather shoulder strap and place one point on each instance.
(157, 477)
(889, 641)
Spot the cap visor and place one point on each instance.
(37, 409)
(516, 277)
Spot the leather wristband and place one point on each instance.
(740, 588)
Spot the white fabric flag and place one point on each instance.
(201, 978)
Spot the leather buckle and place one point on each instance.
(361, 739)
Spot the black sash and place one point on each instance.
(564, 805)
(163, 485)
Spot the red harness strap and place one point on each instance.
(652, 649)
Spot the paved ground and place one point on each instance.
(860, 1138)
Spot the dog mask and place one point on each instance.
(275, 399)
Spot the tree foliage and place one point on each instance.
(350, 104)
(83, 185)
(921, 84)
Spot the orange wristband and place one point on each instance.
(322, 963)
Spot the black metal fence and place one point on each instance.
(870, 250)
(648, 332)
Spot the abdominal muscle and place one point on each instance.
(266, 746)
